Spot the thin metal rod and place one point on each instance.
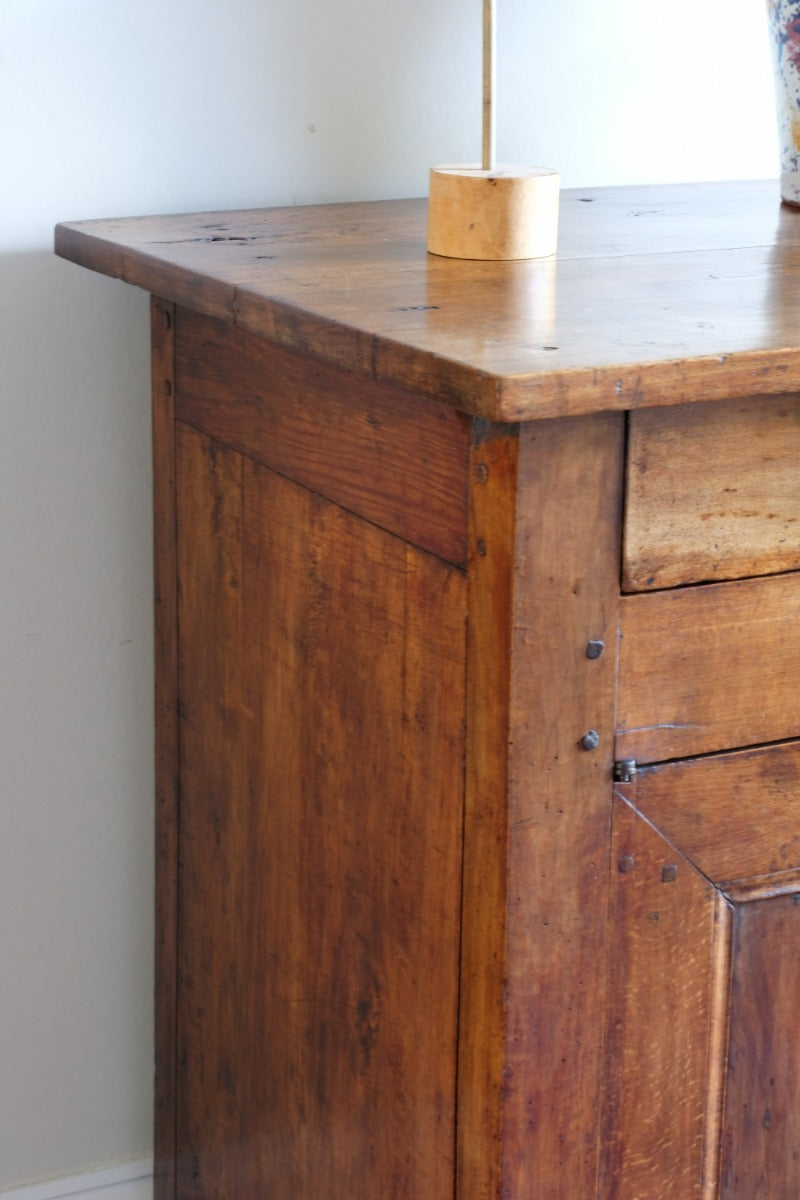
(489, 78)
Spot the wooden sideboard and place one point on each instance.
(478, 734)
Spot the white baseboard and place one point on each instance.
(131, 1181)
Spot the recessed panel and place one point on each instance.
(322, 714)
(761, 1144)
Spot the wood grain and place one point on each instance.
(212, 839)
(708, 668)
(762, 1120)
(482, 988)
(713, 492)
(566, 595)
(536, 878)
(403, 951)
(690, 293)
(322, 700)
(667, 1013)
(162, 326)
(733, 815)
(375, 449)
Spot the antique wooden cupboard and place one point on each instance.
(478, 739)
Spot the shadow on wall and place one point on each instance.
(75, 714)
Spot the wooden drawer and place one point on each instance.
(708, 668)
(712, 492)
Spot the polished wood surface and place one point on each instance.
(668, 985)
(708, 668)
(320, 861)
(536, 863)
(734, 815)
(701, 1006)
(379, 451)
(713, 492)
(760, 1155)
(422, 933)
(566, 596)
(485, 919)
(658, 295)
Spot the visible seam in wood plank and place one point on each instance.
(722, 965)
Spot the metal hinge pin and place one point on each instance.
(624, 770)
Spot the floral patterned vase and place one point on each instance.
(784, 21)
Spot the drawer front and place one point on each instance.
(708, 668)
(712, 493)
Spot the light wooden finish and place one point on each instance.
(708, 668)
(713, 492)
(760, 1136)
(319, 893)
(504, 213)
(333, 432)
(647, 307)
(712, 1044)
(559, 805)
(417, 937)
(485, 917)
(532, 976)
(668, 986)
(734, 815)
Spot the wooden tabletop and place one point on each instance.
(658, 295)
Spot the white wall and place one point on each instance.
(115, 107)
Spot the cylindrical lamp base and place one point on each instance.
(506, 213)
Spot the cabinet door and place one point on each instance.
(703, 1055)
(321, 690)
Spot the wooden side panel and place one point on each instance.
(543, 584)
(735, 816)
(374, 448)
(713, 492)
(761, 1155)
(162, 316)
(709, 668)
(322, 697)
(667, 1009)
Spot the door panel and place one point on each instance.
(703, 1059)
(761, 1155)
(666, 1003)
(321, 686)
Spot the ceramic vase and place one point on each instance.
(784, 22)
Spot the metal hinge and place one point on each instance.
(624, 770)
